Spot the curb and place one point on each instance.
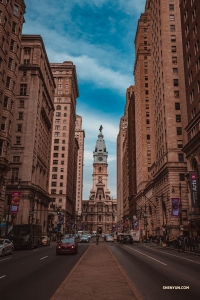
(132, 288)
(173, 249)
(63, 284)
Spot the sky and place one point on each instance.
(98, 37)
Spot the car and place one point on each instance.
(45, 240)
(89, 235)
(76, 236)
(93, 235)
(6, 247)
(105, 236)
(84, 239)
(128, 239)
(120, 234)
(67, 246)
(109, 238)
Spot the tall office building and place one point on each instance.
(11, 22)
(160, 113)
(62, 165)
(32, 133)
(190, 15)
(80, 136)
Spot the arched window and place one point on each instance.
(58, 107)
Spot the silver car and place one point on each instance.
(6, 247)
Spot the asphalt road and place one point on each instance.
(150, 268)
(35, 274)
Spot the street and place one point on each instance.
(150, 268)
(35, 274)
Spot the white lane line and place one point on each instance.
(43, 257)
(3, 276)
(36, 250)
(174, 255)
(5, 259)
(147, 255)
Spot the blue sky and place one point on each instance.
(98, 37)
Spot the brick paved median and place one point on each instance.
(97, 276)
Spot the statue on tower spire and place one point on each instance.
(100, 129)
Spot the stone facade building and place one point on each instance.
(63, 164)
(80, 136)
(99, 213)
(31, 133)
(190, 16)
(11, 22)
(160, 109)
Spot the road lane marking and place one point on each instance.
(3, 276)
(43, 257)
(147, 256)
(5, 259)
(174, 255)
(36, 250)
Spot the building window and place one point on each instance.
(62, 169)
(26, 61)
(10, 61)
(55, 162)
(53, 191)
(56, 141)
(27, 51)
(60, 200)
(56, 147)
(15, 173)
(171, 7)
(58, 114)
(175, 71)
(178, 118)
(61, 184)
(8, 82)
(172, 28)
(175, 82)
(177, 106)
(14, 27)
(54, 169)
(54, 176)
(1, 147)
(12, 45)
(18, 140)
(15, 10)
(172, 18)
(192, 96)
(180, 157)
(55, 155)
(60, 192)
(58, 107)
(53, 183)
(16, 159)
(174, 60)
(176, 94)
(20, 116)
(148, 137)
(21, 103)
(5, 103)
(173, 38)
(3, 123)
(181, 177)
(179, 130)
(173, 49)
(23, 89)
(19, 127)
(180, 144)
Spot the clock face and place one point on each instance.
(100, 158)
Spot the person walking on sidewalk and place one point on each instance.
(120, 239)
(97, 238)
(180, 244)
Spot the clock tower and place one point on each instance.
(99, 212)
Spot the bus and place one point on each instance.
(27, 236)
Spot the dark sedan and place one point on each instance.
(67, 246)
(84, 239)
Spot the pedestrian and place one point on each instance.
(180, 244)
(167, 241)
(120, 239)
(97, 238)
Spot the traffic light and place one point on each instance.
(58, 212)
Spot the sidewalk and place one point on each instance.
(97, 275)
(171, 248)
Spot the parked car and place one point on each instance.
(109, 238)
(89, 235)
(67, 246)
(45, 240)
(84, 239)
(6, 247)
